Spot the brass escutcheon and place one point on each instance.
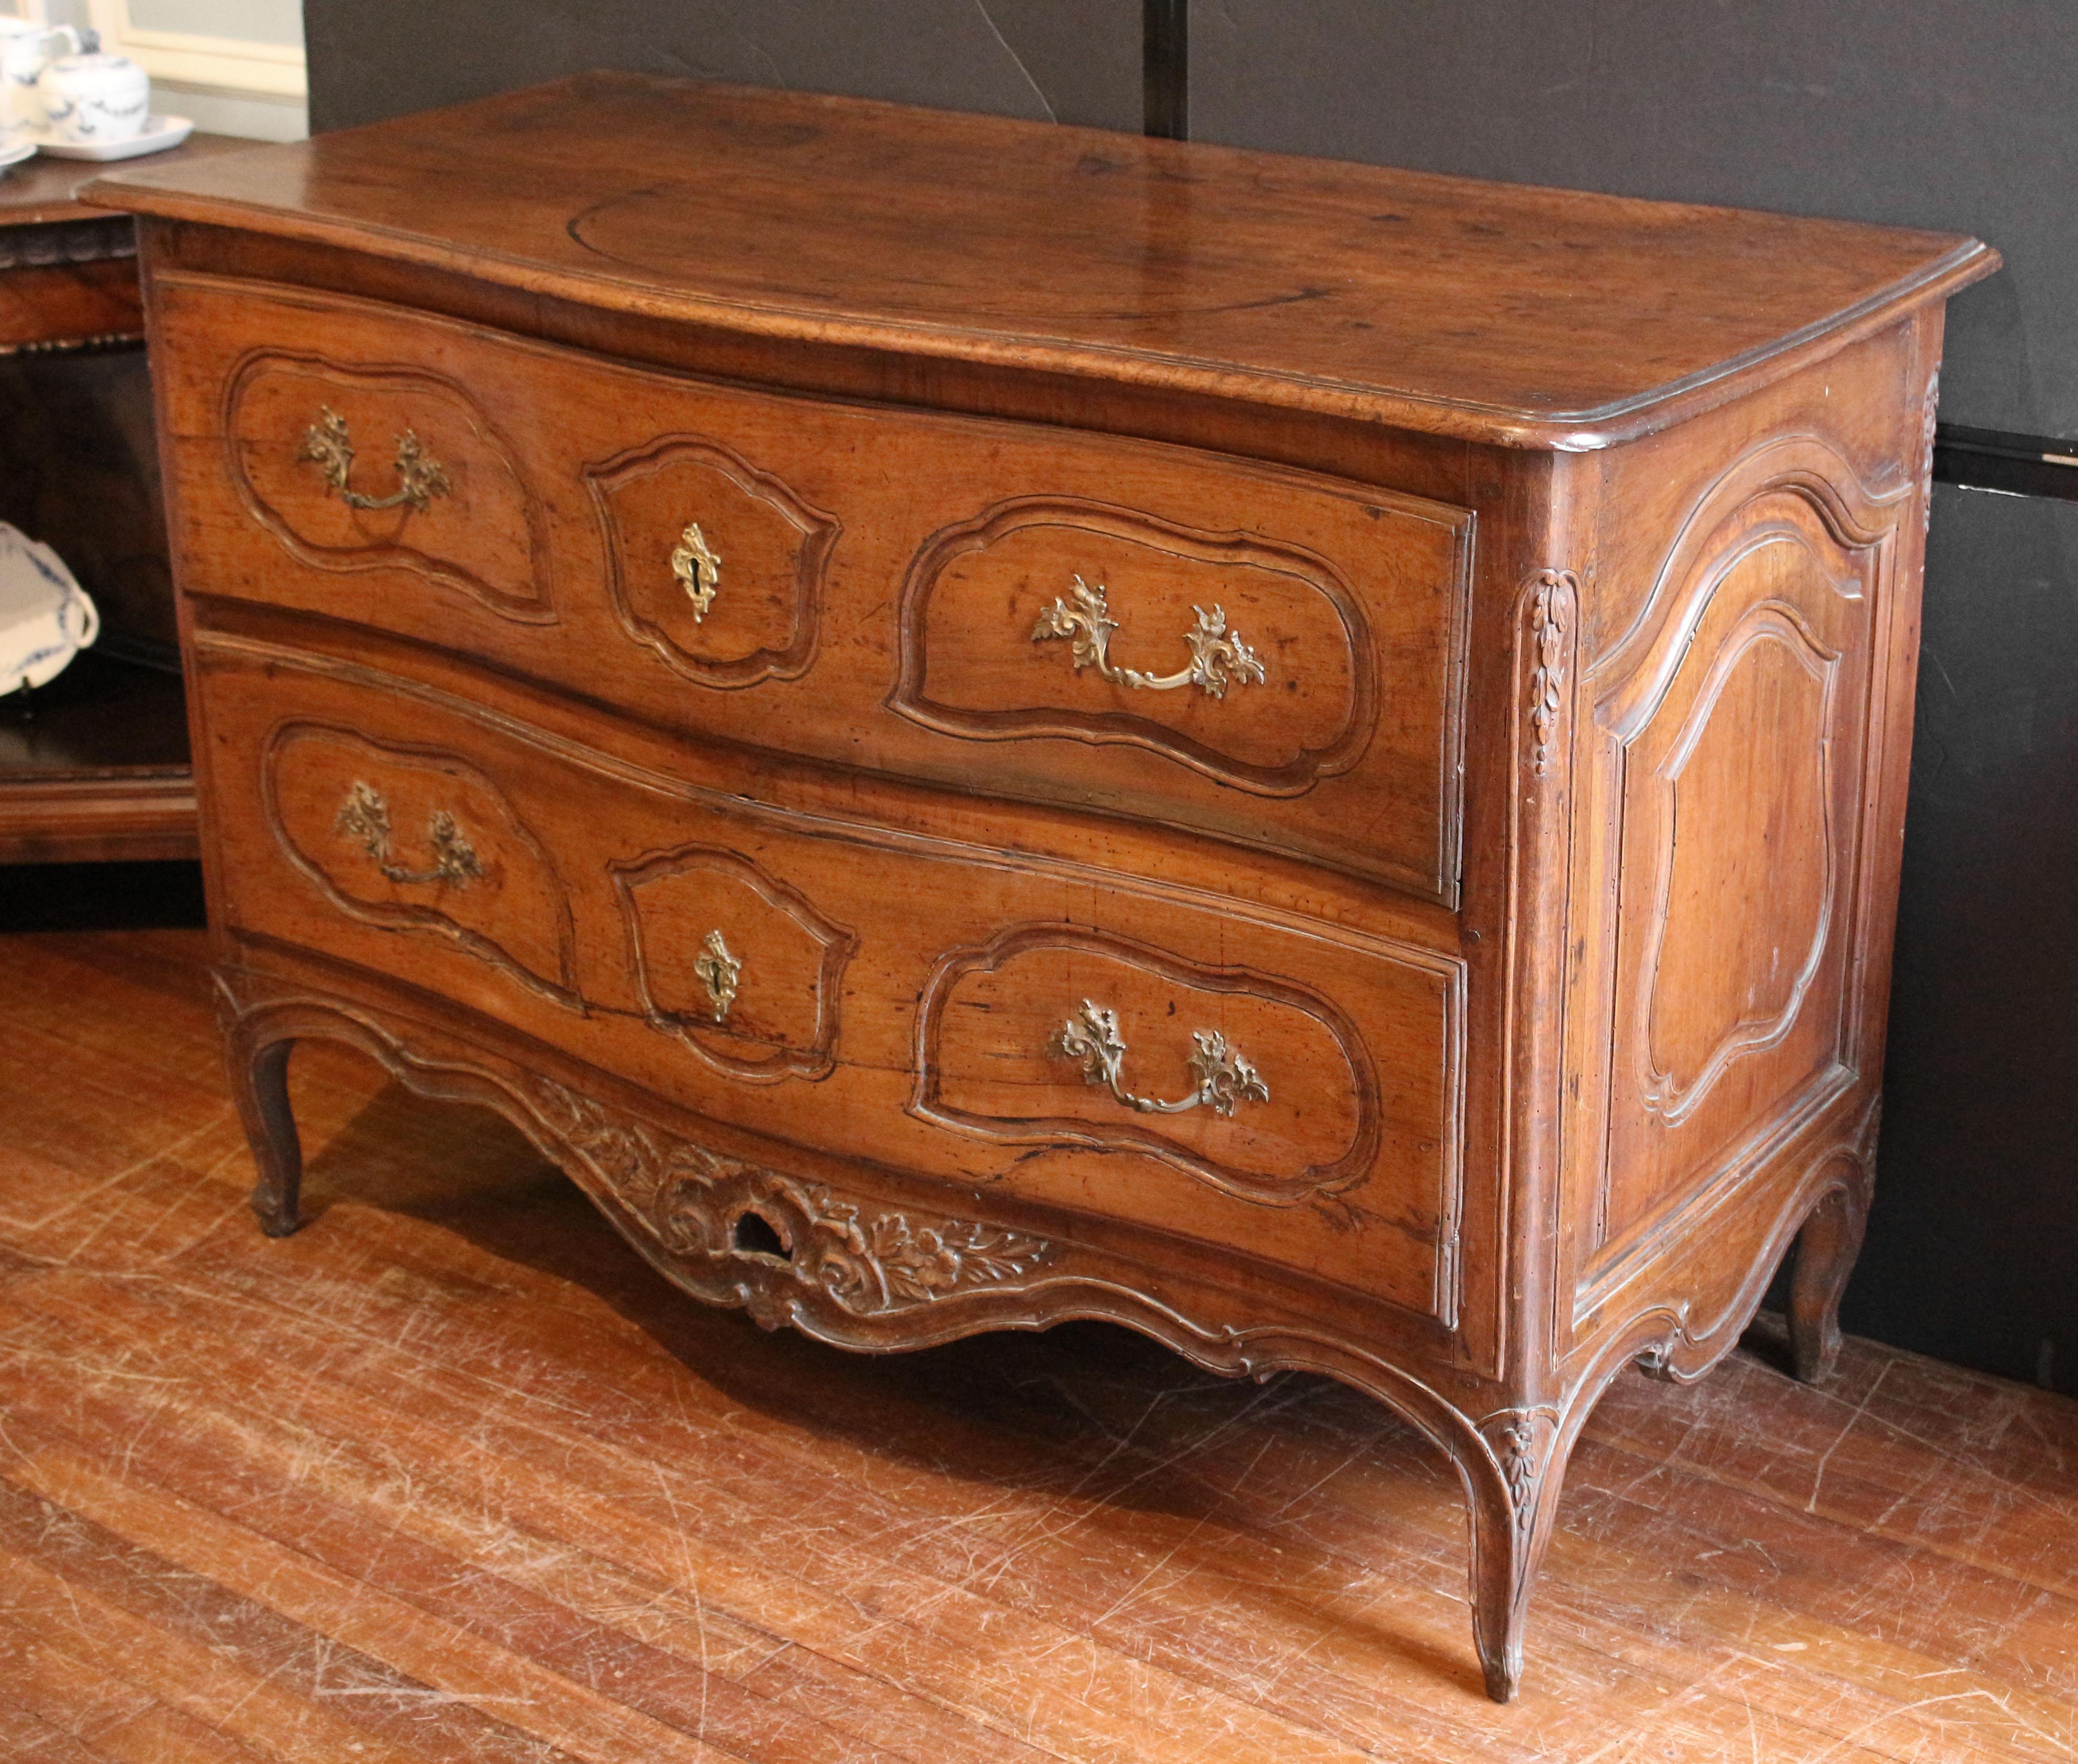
(698, 566)
(718, 971)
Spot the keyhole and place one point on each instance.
(755, 1235)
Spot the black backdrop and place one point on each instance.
(1945, 112)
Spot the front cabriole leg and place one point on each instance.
(1512, 1490)
(260, 1087)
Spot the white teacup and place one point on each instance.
(25, 51)
(91, 99)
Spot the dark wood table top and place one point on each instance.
(40, 190)
(1529, 317)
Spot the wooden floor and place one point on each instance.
(452, 1476)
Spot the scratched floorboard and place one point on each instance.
(452, 1476)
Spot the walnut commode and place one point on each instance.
(976, 724)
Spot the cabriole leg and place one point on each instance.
(260, 1085)
(1511, 1523)
(1827, 1248)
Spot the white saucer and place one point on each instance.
(15, 145)
(158, 134)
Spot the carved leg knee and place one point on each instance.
(1511, 1521)
(1827, 1248)
(260, 1085)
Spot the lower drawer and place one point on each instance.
(978, 1016)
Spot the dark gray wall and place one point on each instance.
(1972, 1252)
(1956, 114)
(1961, 114)
(1066, 61)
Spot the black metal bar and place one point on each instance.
(2012, 465)
(1165, 68)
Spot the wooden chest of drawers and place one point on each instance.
(975, 725)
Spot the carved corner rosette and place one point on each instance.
(742, 1233)
(1552, 599)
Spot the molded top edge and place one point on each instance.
(1497, 313)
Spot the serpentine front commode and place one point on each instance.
(966, 754)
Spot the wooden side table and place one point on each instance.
(94, 767)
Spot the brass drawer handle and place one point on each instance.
(1217, 655)
(698, 566)
(719, 972)
(364, 817)
(420, 477)
(1225, 1079)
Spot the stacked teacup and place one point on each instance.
(26, 50)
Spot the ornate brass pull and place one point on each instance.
(364, 817)
(1225, 1079)
(698, 566)
(1217, 655)
(719, 972)
(420, 477)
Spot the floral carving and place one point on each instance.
(634, 1158)
(1518, 1463)
(1550, 607)
(1521, 1438)
(866, 1259)
(1926, 433)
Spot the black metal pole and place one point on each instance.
(1165, 66)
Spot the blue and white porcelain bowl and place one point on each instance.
(46, 618)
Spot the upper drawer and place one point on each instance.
(1266, 656)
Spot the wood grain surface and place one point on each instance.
(1092, 253)
(453, 1475)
